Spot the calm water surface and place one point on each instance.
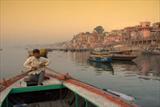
(140, 80)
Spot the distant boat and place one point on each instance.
(58, 90)
(99, 51)
(99, 55)
(100, 58)
(155, 51)
(123, 57)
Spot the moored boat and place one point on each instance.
(100, 51)
(100, 58)
(100, 55)
(58, 90)
(123, 57)
(155, 51)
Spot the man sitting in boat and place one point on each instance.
(36, 65)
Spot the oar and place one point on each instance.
(121, 95)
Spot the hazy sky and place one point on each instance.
(47, 21)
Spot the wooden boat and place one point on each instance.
(99, 52)
(155, 51)
(58, 90)
(123, 57)
(100, 58)
(116, 55)
(100, 55)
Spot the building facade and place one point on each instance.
(143, 34)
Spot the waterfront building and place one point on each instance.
(143, 35)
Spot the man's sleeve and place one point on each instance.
(27, 64)
(46, 61)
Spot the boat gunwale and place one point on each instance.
(107, 95)
(36, 88)
(10, 81)
(98, 91)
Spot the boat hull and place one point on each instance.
(82, 93)
(150, 53)
(101, 60)
(123, 57)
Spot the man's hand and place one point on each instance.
(34, 68)
(42, 64)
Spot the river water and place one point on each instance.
(140, 79)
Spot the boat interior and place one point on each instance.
(51, 96)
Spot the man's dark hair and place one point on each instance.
(36, 51)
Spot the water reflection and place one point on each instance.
(79, 57)
(102, 66)
(145, 65)
(125, 66)
(149, 65)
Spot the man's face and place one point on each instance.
(37, 55)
